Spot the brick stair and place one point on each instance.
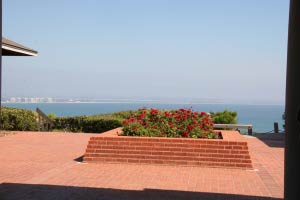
(169, 151)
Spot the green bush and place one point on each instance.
(72, 124)
(100, 125)
(116, 115)
(225, 117)
(14, 119)
(86, 124)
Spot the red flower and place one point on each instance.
(190, 127)
(153, 111)
(125, 122)
(167, 114)
(203, 113)
(185, 134)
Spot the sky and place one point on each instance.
(225, 51)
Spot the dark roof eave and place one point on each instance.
(11, 48)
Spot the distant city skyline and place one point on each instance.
(228, 51)
(189, 101)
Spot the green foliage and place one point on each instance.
(86, 124)
(100, 125)
(225, 117)
(51, 116)
(14, 119)
(116, 115)
(72, 124)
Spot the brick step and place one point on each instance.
(168, 153)
(170, 162)
(152, 141)
(161, 157)
(96, 144)
(170, 149)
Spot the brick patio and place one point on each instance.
(44, 166)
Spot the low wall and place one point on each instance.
(230, 152)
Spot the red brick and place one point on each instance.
(181, 162)
(148, 144)
(211, 150)
(90, 151)
(133, 160)
(135, 143)
(235, 152)
(222, 142)
(112, 143)
(124, 143)
(237, 147)
(159, 153)
(194, 146)
(175, 149)
(157, 161)
(213, 142)
(153, 139)
(87, 159)
(199, 150)
(92, 142)
(245, 161)
(223, 151)
(245, 147)
(208, 146)
(159, 144)
(232, 143)
(145, 161)
(143, 148)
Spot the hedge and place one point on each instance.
(85, 124)
(225, 117)
(15, 119)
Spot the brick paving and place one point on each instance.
(43, 166)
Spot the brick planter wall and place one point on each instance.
(231, 151)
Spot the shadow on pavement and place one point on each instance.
(272, 139)
(29, 191)
(79, 159)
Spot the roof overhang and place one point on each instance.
(11, 48)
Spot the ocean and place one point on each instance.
(262, 117)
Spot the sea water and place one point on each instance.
(262, 117)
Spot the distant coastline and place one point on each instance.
(145, 102)
(174, 101)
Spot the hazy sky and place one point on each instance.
(231, 50)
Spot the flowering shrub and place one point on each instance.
(176, 123)
(16, 119)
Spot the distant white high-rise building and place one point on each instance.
(13, 100)
(33, 100)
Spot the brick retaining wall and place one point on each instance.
(231, 151)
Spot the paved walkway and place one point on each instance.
(43, 166)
